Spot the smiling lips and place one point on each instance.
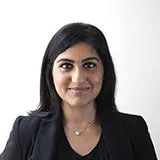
(79, 89)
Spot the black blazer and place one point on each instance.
(35, 138)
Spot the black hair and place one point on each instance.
(68, 36)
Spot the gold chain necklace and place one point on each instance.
(78, 132)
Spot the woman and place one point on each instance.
(77, 117)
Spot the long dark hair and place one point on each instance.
(64, 38)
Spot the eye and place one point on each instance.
(66, 66)
(89, 65)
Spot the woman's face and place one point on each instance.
(78, 75)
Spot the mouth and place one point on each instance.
(79, 89)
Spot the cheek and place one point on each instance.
(98, 81)
(58, 87)
(99, 77)
(60, 82)
(56, 80)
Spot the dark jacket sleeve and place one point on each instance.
(140, 138)
(13, 150)
(22, 138)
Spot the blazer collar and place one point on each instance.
(117, 142)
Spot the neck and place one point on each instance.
(79, 115)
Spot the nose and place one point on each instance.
(78, 76)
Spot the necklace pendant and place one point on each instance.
(77, 133)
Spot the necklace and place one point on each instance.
(78, 132)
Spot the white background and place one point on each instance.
(132, 29)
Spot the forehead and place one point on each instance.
(78, 52)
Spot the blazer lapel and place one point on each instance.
(116, 139)
(46, 141)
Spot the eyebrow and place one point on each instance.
(65, 60)
(84, 60)
(90, 58)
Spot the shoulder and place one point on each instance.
(133, 122)
(137, 131)
(28, 126)
(21, 137)
(26, 122)
(25, 128)
(130, 117)
(30, 121)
